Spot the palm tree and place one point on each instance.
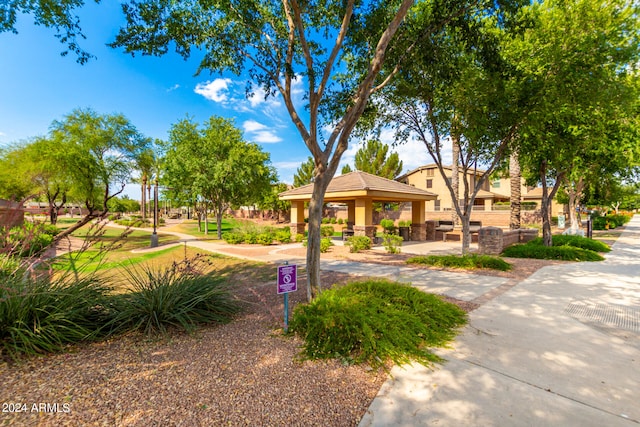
(145, 163)
(515, 177)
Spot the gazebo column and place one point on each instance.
(297, 218)
(351, 214)
(418, 226)
(364, 218)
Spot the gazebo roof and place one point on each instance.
(362, 185)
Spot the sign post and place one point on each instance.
(287, 282)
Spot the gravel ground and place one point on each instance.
(240, 374)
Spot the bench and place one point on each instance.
(444, 227)
(347, 232)
(475, 226)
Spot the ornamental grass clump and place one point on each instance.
(177, 296)
(469, 262)
(40, 314)
(376, 321)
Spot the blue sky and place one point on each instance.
(37, 86)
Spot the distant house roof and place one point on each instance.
(435, 166)
(362, 185)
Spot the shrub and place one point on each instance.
(340, 221)
(376, 321)
(325, 220)
(299, 238)
(176, 296)
(565, 253)
(9, 266)
(574, 241)
(233, 238)
(388, 226)
(470, 262)
(251, 238)
(392, 243)
(325, 244)
(39, 314)
(283, 236)
(333, 220)
(358, 243)
(264, 238)
(29, 239)
(326, 231)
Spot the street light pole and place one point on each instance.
(154, 236)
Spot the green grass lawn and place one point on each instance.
(191, 227)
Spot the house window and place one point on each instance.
(495, 184)
(436, 205)
(429, 172)
(429, 183)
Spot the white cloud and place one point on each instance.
(174, 87)
(260, 133)
(216, 90)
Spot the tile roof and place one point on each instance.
(364, 183)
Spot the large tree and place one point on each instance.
(215, 164)
(277, 43)
(304, 174)
(577, 63)
(57, 14)
(100, 152)
(456, 88)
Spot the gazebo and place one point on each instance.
(359, 190)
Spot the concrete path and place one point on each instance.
(561, 348)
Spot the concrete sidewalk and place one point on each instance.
(561, 348)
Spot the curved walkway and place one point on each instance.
(561, 348)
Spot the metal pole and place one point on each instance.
(154, 236)
(286, 308)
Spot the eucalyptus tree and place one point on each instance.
(456, 89)
(277, 43)
(577, 61)
(57, 14)
(216, 165)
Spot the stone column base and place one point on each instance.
(296, 228)
(365, 230)
(418, 232)
(430, 230)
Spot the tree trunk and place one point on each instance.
(515, 178)
(546, 201)
(466, 235)
(313, 243)
(143, 199)
(455, 176)
(575, 194)
(206, 219)
(219, 221)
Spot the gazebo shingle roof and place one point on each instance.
(362, 184)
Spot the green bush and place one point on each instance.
(340, 221)
(251, 238)
(39, 314)
(358, 243)
(376, 321)
(233, 238)
(574, 241)
(28, 239)
(565, 253)
(392, 243)
(469, 262)
(325, 220)
(325, 244)
(264, 239)
(9, 266)
(326, 231)
(177, 296)
(333, 220)
(283, 236)
(388, 226)
(299, 238)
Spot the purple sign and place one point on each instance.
(287, 278)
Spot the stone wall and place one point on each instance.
(493, 240)
(11, 214)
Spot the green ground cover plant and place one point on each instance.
(392, 243)
(467, 262)
(564, 253)
(574, 241)
(374, 322)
